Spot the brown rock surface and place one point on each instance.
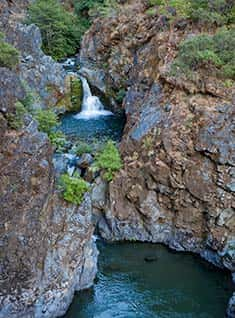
(178, 183)
(46, 246)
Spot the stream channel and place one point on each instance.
(141, 280)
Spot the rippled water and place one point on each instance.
(102, 127)
(172, 285)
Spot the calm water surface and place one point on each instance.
(173, 285)
(102, 127)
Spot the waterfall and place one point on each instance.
(91, 105)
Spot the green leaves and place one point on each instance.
(216, 51)
(15, 120)
(9, 56)
(108, 160)
(216, 12)
(47, 120)
(60, 29)
(73, 188)
(58, 139)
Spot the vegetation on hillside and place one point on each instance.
(94, 8)
(9, 56)
(215, 53)
(73, 188)
(47, 120)
(61, 30)
(214, 12)
(16, 120)
(47, 123)
(108, 160)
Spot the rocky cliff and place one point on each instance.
(47, 250)
(177, 184)
(38, 72)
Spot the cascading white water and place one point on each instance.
(91, 105)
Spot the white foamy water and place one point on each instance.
(91, 105)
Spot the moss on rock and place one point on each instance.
(71, 101)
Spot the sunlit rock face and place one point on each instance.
(47, 251)
(177, 183)
(46, 246)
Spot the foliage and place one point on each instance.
(58, 139)
(148, 142)
(16, 120)
(217, 12)
(29, 98)
(206, 51)
(85, 5)
(120, 95)
(47, 120)
(9, 56)
(106, 9)
(94, 8)
(73, 188)
(108, 160)
(61, 31)
(82, 148)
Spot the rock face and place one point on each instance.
(177, 184)
(44, 78)
(47, 250)
(46, 245)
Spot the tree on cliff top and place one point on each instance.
(61, 32)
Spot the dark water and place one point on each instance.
(176, 285)
(100, 128)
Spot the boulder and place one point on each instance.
(84, 161)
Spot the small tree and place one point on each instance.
(9, 56)
(47, 120)
(73, 188)
(108, 160)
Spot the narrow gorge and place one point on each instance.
(117, 159)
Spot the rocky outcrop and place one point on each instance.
(177, 184)
(42, 76)
(47, 249)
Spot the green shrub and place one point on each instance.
(91, 8)
(108, 160)
(82, 148)
(217, 12)
(47, 120)
(9, 56)
(29, 98)
(73, 188)
(120, 95)
(83, 6)
(206, 12)
(61, 31)
(58, 139)
(204, 51)
(16, 120)
(106, 9)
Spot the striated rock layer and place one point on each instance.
(178, 182)
(46, 246)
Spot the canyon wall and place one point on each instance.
(177, 185)
(47, 250)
